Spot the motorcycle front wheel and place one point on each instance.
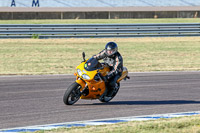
(72, 94)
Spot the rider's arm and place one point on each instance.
(117, 68)
(100, 55)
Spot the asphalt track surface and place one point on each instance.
(37, 100)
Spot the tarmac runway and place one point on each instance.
(37, 100)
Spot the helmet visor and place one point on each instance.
(110, 52)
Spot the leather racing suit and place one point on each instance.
(115, 62)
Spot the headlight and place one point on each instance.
(79, 72)
(85, 76)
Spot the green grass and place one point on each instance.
(100, 21)
(174, 125)
(61, 56)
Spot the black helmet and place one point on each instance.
(111, 48)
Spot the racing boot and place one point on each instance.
(112, 90)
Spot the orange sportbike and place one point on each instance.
(89, 82)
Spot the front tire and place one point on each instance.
(72, 94)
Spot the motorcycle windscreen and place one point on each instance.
(92, 64)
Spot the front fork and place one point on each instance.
(83, 85)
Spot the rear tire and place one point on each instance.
(72, 94)
(106, 99)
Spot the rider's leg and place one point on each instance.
(112, 83)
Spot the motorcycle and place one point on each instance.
(90, 82)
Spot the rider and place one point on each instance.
(112, 57)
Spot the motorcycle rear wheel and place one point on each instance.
(72, 94)
(106, 99)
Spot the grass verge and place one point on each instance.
(61, 56)
(101, 21)
(175, 125)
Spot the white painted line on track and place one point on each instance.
(97, 122)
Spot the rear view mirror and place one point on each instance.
(83, 54)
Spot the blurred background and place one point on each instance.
(98, 9)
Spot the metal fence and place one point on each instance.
(98, 30)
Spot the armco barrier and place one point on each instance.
(98, 30)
